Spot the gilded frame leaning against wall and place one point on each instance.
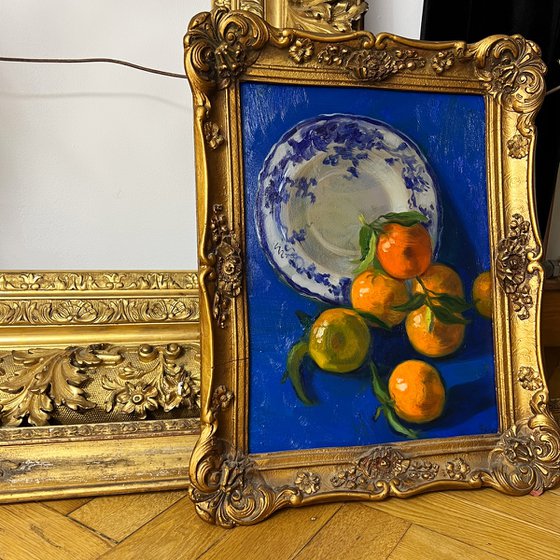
(234, 481)
(86, 355)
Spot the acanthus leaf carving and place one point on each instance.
(41, 382)
(325, 16)
(44, 378)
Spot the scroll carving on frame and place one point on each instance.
(358, 356)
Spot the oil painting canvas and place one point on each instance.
(367, 266)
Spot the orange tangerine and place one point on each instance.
(417, 391)
(404, 252)
(432, 337)
(482, 294)
(339, 340)
(441, 279)
(376, 293)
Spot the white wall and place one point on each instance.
(96, 160)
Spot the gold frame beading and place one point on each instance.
(231, 487)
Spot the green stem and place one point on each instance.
(293, 370)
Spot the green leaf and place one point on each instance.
(370, 255)
(378, 413)
(305, 319)
(365, 237)
(445, 316)
(406, 219)
(413, 303)
(293, 370)
(454, 304)
(373, 320)
(378, 386)
(396, 424)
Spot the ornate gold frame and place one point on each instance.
(73, 348)
(230, 487)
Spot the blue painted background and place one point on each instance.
(449, 130)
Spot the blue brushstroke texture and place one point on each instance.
(450, 130)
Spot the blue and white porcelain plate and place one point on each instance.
(317, 180)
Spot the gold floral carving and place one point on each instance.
(221, 398)
(384, 470)
(529, 379)
(97, 311)
(212, 135)
(96, 281)
(513, 265)
(443, 61)
(225, 258)
(308, 482)
(40, 382)
(457, 469)
(325, 16)
(371, 65)
(158, 380)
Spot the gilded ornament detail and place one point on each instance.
(97, 311)
(382, 469)
(213, 135)
(228, 269)
(325, 16)
(157, 381)
(529, 379)
(443, 61)
(368, 64)
(512, 265)
(457, 469)
(222, 45)
(512, 70)
(43, 379)
(518, 146)
(96, 281)
(301, 51)
(41, 383)
(221, 398)
(308, 482)
(100, 431)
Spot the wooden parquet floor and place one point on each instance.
(161, 526)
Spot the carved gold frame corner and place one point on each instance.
(232, 487)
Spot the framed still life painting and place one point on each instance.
(369, 267)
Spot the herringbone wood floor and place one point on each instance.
(466, 525)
